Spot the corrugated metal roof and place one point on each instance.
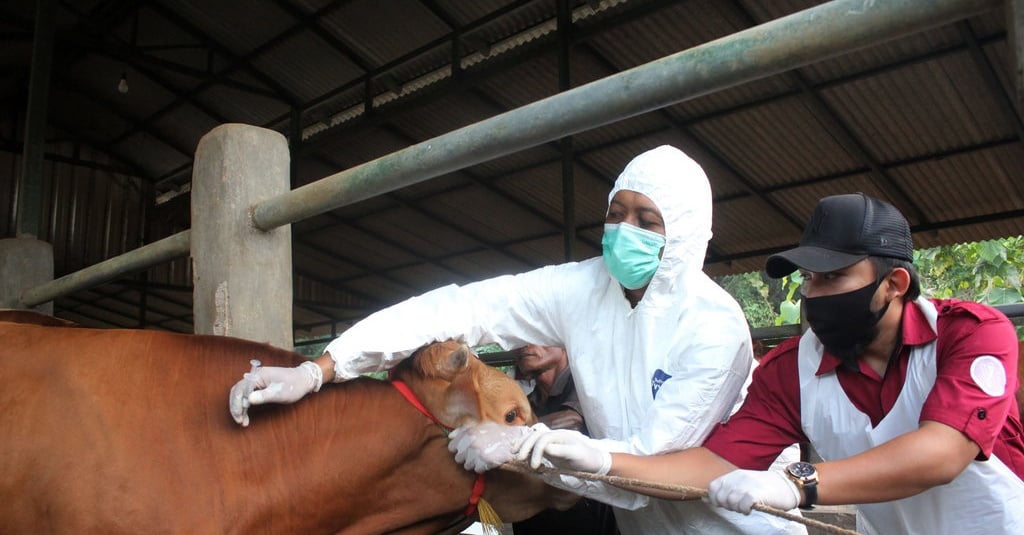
(928, 121)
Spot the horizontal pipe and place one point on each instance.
(776, 46)
(776, 332)
(144, 257)
(1014, 311)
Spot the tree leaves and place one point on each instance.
(987, 271)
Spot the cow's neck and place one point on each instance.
(481, 482)
(355, 470)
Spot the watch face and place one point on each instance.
(801, 470)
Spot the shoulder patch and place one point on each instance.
(988, 373)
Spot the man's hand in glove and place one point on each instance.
(739, 490)
(566, 449)
(488, 445)
(273, 385)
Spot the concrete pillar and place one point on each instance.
(24, 263)
(242, 276)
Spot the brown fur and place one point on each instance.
(115, 431)
(36, 318)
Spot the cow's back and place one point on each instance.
(97, 414)
(15, 315)
(132, 428)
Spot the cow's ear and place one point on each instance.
(462, 404)
(457, 361)
(444, 360)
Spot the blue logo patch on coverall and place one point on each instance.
(657, 380)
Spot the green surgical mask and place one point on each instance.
(631, 254)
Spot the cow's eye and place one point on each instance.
(511, 416)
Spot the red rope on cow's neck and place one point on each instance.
(415, 402)
(478, 485)
(474, 498)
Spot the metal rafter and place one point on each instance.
(104, 102)
(312, 23)
(234, 63)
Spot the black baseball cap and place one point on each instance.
(844, 230)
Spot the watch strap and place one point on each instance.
(805, 477)
(810, 495)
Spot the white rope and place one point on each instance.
(684, 492)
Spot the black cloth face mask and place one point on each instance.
(845, 323)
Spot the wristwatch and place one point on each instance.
(806, 478)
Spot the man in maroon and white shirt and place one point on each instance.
(910, 401)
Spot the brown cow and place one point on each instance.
(117, 431)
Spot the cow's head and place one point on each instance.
(459, 388)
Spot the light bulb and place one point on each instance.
(122, 86)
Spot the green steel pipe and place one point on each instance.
(1013, 311)
(780, 45)
(146, 256)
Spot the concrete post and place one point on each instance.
(24, 263)
(242, 276)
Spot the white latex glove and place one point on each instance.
(566, 449)
(739, 490)
(481, 447)
(273, 385)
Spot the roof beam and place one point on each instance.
(15, 147)
(311, 21)
(988, 73)
(105, 103)
(235, 63)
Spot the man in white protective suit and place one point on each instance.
(659, 352)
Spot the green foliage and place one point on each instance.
(752, 293)
(789, 308)
(488, 348)
(987, 272)
(310, 349)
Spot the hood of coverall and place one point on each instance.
(679, 188)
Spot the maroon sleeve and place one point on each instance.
(976, 372)
(769, 419)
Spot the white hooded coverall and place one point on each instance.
(650, 379)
